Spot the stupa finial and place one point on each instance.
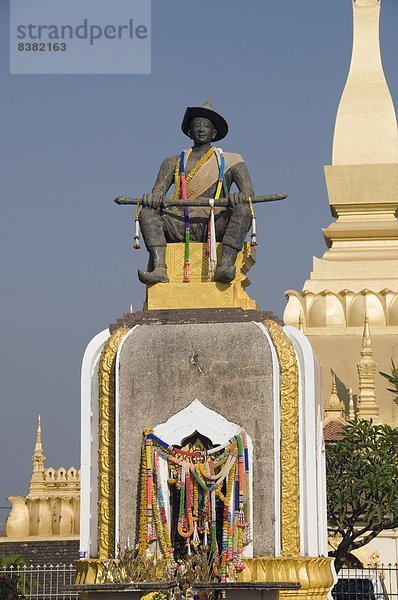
(334, 407)
(367, 368)
(351, 407)
(38, 460)
(366, 125)
(38, 451)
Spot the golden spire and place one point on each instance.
(38, 459)
(366, 125)
(351, 407)
(334, 407)
(367, 368)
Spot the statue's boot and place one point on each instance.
(159, 272)
(226, 271)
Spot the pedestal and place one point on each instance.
(121, 591)
(213, 372)
(201, 291)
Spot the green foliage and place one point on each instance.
(392, 379)
(9, 589)
(14, 560)
(362, 485)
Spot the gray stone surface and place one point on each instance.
(252, 595)
(157, 378)
(230, 595)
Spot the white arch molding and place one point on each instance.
(89, 444)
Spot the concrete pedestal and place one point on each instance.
(214, 372)
(122, 591)
(134, 591)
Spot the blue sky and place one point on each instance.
(70, 144)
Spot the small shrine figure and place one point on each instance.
(203, 171)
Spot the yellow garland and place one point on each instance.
(220, 494)
(158, 521)
(195, 501)
(239, 534)
(230, 484)
(251, 207)
(165, 531)
(143, 544)
(191, 174)
(204, 471)
(231, 478)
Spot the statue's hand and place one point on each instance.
(152, 200)
(237, 198)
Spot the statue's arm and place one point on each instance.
(165, 176)
(241, 177)
(162, 185)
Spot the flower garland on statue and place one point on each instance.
(199, 476)
(181, 181)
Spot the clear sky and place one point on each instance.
(70, 144)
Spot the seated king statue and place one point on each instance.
(202, 171)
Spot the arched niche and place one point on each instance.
(366, 303)
(197, 418)
(393, 312)
(326, 311)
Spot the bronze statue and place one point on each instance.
(161, 224)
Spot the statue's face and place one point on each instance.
(202, 131)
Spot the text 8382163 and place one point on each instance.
(42, 47)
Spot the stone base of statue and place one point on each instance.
(210, 372)
(135, 591)
(201, 292)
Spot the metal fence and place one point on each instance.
(48, 582)
(376, 583)
(43, 582)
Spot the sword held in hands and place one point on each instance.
(167, 202)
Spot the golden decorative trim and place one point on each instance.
(106, 444)
(290, 484)
(315, 574)
(345, 310)
(88, 571)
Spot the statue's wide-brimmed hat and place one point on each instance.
(206, 110)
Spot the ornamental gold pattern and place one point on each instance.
(106, 444)
(201, 292)
(314, 574)
(290, 484)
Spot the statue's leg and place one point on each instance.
(232, 226)
(152, 228)
(151, 223)
(174, 226)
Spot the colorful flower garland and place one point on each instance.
(199, 476)
(181, 181)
